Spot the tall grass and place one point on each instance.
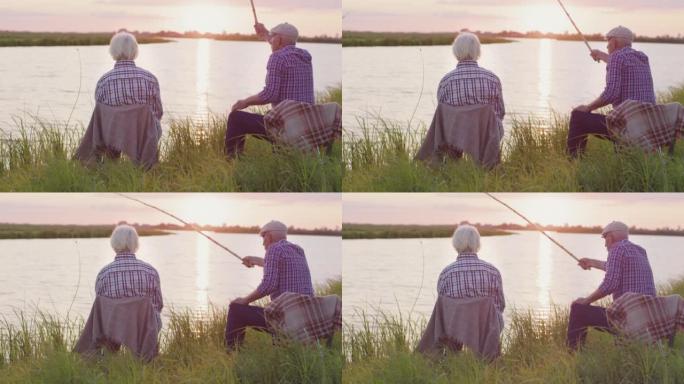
(380, 350)
(380, 158)
(38, 158)
(37, 350)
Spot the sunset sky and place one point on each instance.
(309, 210)
(312, 17)
(644, 17)
(587, 209)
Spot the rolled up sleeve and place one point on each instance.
(273, 80)
(269, 282)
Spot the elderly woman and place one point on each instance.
(470, 84)
(128, 276)
(128, 84)
(468, 276)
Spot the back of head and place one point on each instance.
(466, 46)
(466, 239)
(123, 46)
(287, 32)
(124, 239)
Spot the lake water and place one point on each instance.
(51, 274)
(537, 76)
(397, 275)
(195, 75)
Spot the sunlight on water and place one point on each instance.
(544, 272)
(202, 277)
(202, 75)
(544, 81)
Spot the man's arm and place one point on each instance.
(268, 283)
(248, 102)
(592, 263)
(612, 89)
(610, 282)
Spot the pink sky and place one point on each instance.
(305, 210)
(644, 17)
(312, 17)
(589, 209)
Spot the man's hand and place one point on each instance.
(239, 105)
(240, 300)
(260, 30)
(586, 263)
(251, 261)
(582, 108)
(599, 55)
(582, 301)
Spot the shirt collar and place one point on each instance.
(124, 255)
(466, 63)
(621, 50)
(466, 255)
(621, 242)
(277, 242)
(124, 63)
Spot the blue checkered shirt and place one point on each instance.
(628, 77)
(127, 84)
(627, 270)
(289, 76)
(469, 277)
(469, 84)
(285, 270)
(127, 276)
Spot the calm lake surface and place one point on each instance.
(194, 272)
(398, 275)
(537, 76)
(196, 76)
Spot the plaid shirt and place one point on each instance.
(646, 318)
(289, 76)
(285, 270)
(627, 270)
(305, 318)
(628, 77)
(469, 84)
(469, 277)
(127, 276)
(127, 84)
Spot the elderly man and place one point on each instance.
(128, 276)
(285, 270)
(627, 270)
(289, 76)
(628, 77)
(469, 83)
(469, 276)
(128, 84)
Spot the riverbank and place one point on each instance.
(49, 39)
(39, 159)
(388, 231)
(192, 351)
(44, 231)
(389, 39)
(534, 351)
(380, 159)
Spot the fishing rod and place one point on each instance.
(254, 12)
(182, 221)
(534, 225)
(575, 25)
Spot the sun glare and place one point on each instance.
(546, 209)
(544, 18)
(207, 18)
(210, 210)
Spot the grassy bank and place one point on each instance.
(38, 158)
(371, 39)
(38, 351)
(389, 231)
(381, 159)
(28, 39)
(43, 231)
(380, 351)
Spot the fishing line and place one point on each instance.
(538, 228)
(575, 25)
(78, 283)
(80, 83)
(194, 228)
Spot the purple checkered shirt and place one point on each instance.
(289, 76)
(469, 84)
(469, 277)
(127, 84)
(285, 270)
(627, 270)
(127, 276)
(628, 77)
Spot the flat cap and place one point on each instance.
(615, 226)
(620, 32)
(273, 226)
(285, 29)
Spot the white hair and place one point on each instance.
(124, 239)
(466, 46)
(123, 46)
(466, 239)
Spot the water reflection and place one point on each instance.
(545, 63)
(202, 77)
(202, 276)
(544, 272)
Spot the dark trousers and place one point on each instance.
(240, 317)
(240, 124)
(583, 124)
(581, 317)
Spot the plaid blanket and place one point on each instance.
(646, 125)
(302, 125)
(304, 318)
(646, 318)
